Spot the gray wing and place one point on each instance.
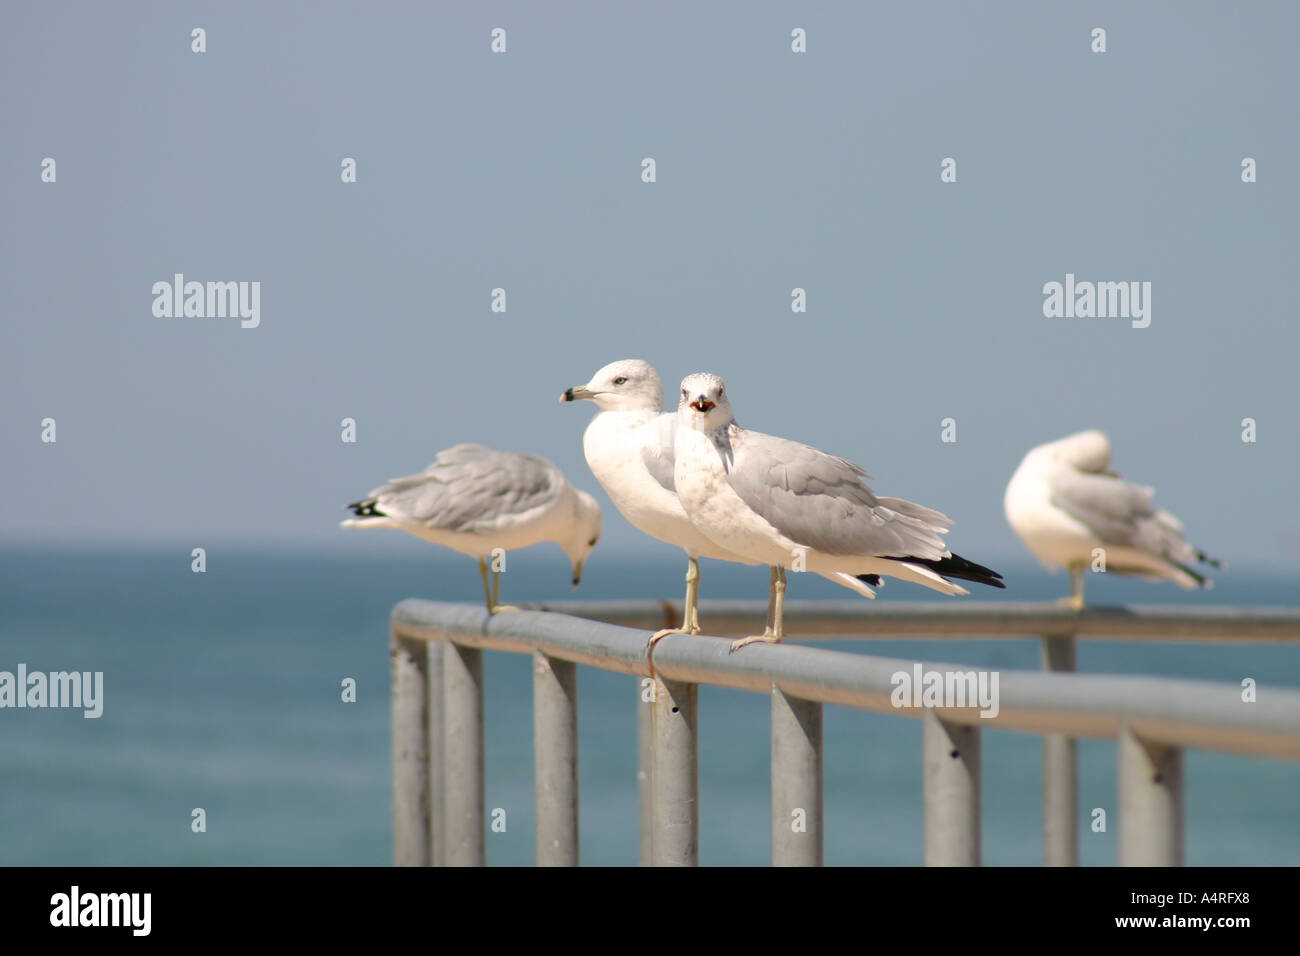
(824, 503)
(1119, 512)
(657, 453)
(472, 489)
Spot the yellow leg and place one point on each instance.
(495, 604)
(487, 591)
(778, 622)
(1075, 600)
(691, 612)
(691, 616)
(774, 631)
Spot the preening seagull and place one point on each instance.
(786, 504)
(629, 447)
(1064, 502)
(475, 500)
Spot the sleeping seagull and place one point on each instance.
(629, 447)
(789, 505)
(1066, 503)
(475, 500)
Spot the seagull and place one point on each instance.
(629, 448)
(1070, 510)
(786, 504)
(484, 503)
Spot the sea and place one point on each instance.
(226, 739)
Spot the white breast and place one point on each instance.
(1051, 535)
(715, 509)
(613, 444)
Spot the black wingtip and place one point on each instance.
(365, 509)
(955, 566)
(1201, 580)
(872, 579)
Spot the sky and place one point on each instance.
(523, 171)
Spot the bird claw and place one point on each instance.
(659, 635)
(767, 637)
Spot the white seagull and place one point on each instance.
(629, 448)
(786, 504)
(475, 500)
(1065, 503)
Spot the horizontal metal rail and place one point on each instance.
(970, 619)
(1181, 713)
(1152, 719)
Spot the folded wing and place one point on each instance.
(823, 502)
(1120, 513)
(468, 489)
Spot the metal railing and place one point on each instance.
(437, 672)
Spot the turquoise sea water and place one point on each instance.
(222, 691)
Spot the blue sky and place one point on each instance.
(522, 171)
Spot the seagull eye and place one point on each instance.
(621, 380)
(592, 542)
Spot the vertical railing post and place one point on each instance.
(1060, 770)
(645, 765)
(1150, 783)
(463, 789)
(951, 785)
(437, 811)
(796, 781)
(411, 833)
(675, 778)
(555, 759)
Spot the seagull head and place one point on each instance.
(1087, 450)
(703, 404)
(586, 528)
(629, 385)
